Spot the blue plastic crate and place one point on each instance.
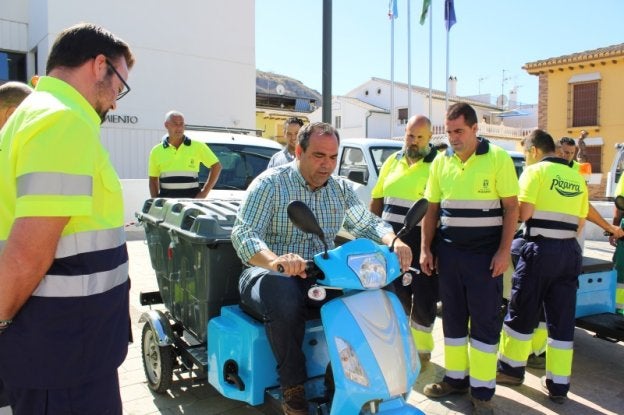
(596, 293)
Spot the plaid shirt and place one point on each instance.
(281, 157)
(262, 220)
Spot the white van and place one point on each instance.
(359, 160)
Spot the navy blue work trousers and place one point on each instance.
(420, 298)
(98, 397)
(469, 293)
(546, 276)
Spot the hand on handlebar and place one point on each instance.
(404, 253)
(290, 264)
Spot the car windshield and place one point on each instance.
(380, 154)
(240, 164)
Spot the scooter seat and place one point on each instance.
(312, 313)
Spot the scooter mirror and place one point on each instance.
(619, 202)
(302, 217)
(413, 216)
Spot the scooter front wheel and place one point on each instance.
(157, 361)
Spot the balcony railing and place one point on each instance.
(502, 131)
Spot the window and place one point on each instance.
(338, 121)
(380, 154)
(12, 66)
(240, 163)
(585, 104)
(584, 100)
(594, 156)
(402, 115)
(353, 165)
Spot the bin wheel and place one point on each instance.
(157, 361)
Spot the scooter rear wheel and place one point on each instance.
(157, 361)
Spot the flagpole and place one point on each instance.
(448, 35)
(409, 61)
(449, 20)
(430, 58)
(392, 78)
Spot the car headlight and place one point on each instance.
(351, 366)
(370, 269)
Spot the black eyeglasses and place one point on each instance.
(126, 87)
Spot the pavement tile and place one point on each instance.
(597, 380)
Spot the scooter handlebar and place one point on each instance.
(311, 270)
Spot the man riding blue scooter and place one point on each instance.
(265, 239)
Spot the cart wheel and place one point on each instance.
(157, 361)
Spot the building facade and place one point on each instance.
(198, 59)
(583, 91)
(366, 112)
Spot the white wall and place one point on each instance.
(197, 57)
(13, 25)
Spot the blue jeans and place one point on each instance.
(284, 306)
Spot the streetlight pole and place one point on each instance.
(503, 79)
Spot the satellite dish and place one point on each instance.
(280, 89)
(501, 101)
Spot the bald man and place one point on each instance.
(11, 95)
(401, 182)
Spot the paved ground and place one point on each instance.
(597, 380)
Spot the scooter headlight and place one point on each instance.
(370, 269)
(351, 366)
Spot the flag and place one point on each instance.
(449, 14)
(393, 10)
(425, 10)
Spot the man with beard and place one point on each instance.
(402, 180)
(291, 129)
(63, 258)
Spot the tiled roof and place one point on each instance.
(588, 55)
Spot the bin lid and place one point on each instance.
(201, 219)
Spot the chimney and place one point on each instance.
(452, 86)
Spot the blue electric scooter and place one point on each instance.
(362, 343)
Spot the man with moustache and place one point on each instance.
(265, 239)
(63, 258)
(402, 180)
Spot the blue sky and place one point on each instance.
(490, 36)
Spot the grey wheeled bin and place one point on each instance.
(196, 267)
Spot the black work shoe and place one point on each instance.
(555, 398)
(425, 358)
(295, 402)
(480, 407)
(440, 389)
(508, 380)
(536, 361)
